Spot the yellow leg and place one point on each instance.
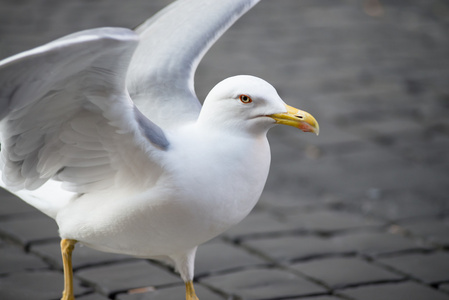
(190, 291)
(67, 246)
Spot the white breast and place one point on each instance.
(223, 182)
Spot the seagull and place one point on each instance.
(102, 131)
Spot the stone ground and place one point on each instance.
(360, 212)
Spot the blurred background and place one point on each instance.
(359, 212)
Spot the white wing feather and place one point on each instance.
(66, 115)
(161, 75)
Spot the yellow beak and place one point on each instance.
(297, 118)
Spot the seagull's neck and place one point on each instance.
(213, 137)
(232, 127)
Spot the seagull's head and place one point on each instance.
(250, 104)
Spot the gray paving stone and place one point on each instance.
(346, 176)
(397, 205)
(121, 277)
(216, 257)
(93, 296)
(171, 293)
(331, 221)
(257, 223)
(263, 284)
(435, 156)
(444, 287)
(14, 259)
(384, 170)
(345, 271)
(435, 230)
(279, 197)
(41, 285)
(302, 247)
(318, 298)
(82, 256)
(30, 230)
(375, 243)
(292, 247)
(430, 268)
(394, 291)
(394, 126)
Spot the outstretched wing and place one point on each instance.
(65, 114)
(161, 74)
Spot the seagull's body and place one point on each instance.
(191, 193)
(102, 131)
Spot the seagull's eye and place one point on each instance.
(245, 99)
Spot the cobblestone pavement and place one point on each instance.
(360, 212)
